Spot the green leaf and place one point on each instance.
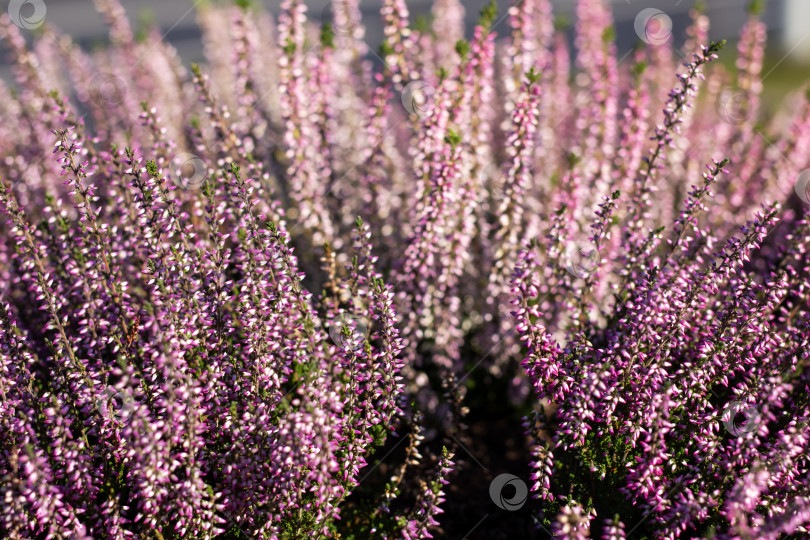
(327, 36)
(151, 168)
(488, 14)
(756, 7)
(452, 138)
(462, 48)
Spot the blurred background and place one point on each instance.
(786, 66)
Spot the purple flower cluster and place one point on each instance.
(229, 292)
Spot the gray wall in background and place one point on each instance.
(176, 18)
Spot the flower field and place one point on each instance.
(475, 283)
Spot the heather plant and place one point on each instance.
(277, 294)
